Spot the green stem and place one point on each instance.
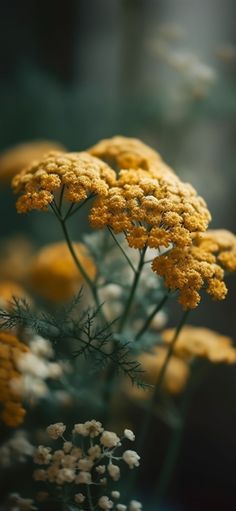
(122, 250)
(132, 291)
(148, 417)
(151, 316)
(91, 507)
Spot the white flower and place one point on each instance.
(83, 478)
(67, 446)
(131, 458)
(54, 370)
(109, 439)
(41, 347)
(16, 449)
(94, 452)
(121, 507)
(135, 506)
(89, 428)
(79, 497)
(42, 455)
(115, 494)
(100, 469)
(65, 475)
(33, 365)
(128, 433)
(105, 503)
(56, 430)
(114, 471)
(85, 464)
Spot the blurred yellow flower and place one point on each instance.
(9, 290)
(12, 412)
(53, 273)
(15, 258)
(202, 342)
(16, 158)
(176, 374)
(80, 173)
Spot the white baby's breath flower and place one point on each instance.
(65, 475)
(105, 503)
(128, 433)
(100, 469)
(135, 506)
(67, 446)
(131, 458)
(94, 452)
(56, 430)
(42, 455)
(115, 494)
(121, 507)
(83, 478)
(41, 347)
(114, 471)
(85, 464)
(79, 498)
(109, 439)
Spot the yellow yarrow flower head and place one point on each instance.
(124, 153)
(149, 203)
(176, 375)
(222, 243)
(79, 173)
(53, 273)
(202, 342)
(15, 159)
(12, 412)
(189, 270)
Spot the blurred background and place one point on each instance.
(77, 71)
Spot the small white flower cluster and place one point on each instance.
(90, 457)
(17, 503)
(36, 367)
(16, 449)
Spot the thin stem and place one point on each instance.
(91, 506)
(132, 291)
(121, 249)
(151, 316)
(61, 198)
(160, 379)
(70, 213)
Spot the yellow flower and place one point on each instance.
(9, 290)
(202, 342)
(188, 270)
(12, 411)
(148, 202)
(124, 153)
(175, 378)
(80, 173)
(15, 258)
(222, 243)
(54, 274)
(15, 159)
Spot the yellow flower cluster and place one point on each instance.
(12, 411)
(15, 159)
(80, 173)
(54, 274)
(149, 203)
(202, 342)
(176, 375)
(222, 243)
(198, 266)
